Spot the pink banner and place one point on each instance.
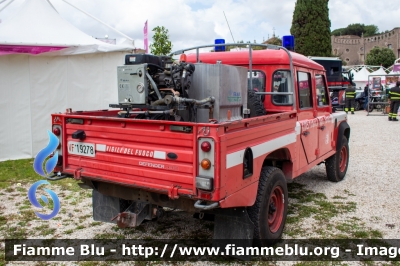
(304, 85)
(24, 49)
(396, 68)
(146, 41)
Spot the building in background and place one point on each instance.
(354, 49)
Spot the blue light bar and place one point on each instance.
(288, 42)
(219, 48)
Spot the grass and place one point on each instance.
(305, 204)
(18, 171)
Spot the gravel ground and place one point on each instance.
(371, 183)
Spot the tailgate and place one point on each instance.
(139, 153)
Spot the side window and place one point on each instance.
(334, 71)
(282, 83)
(305, 93)
(258, 80)
(322, 93)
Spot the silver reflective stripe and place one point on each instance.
(236, 158)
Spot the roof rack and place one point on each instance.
(249, 45)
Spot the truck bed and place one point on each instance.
(161, 156)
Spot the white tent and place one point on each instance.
(46, 66)
(382, 74)
(361, 77)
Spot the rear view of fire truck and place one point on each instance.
(194, 135)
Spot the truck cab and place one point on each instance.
(307, 91)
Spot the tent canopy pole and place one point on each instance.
(6, 5)
(100, 21)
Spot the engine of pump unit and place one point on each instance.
(155, 87)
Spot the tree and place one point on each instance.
(274, 41)
(311, 28)
(357, 29)
(380, 56)
(370, 30)
(161, 44)
(339, 32)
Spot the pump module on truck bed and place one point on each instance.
(215, 132)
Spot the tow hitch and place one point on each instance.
(136, 213)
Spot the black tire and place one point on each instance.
(357, 106)
(337, 164)
(270, 209)
(255, 104)
(370, 107)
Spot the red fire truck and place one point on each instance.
(338, 79)
(216, 132)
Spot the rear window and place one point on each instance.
(281, 84)
(257, 77)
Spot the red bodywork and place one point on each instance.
(292, 139)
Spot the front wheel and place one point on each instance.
(370, 107)
(270, 209)
(336, 165)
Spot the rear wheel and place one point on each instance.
(254, 104)
(269, 211)
(336, 165)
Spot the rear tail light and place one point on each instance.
(56, 131)
(206, 162)
(205, 146)
(205, 183)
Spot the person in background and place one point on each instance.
(276, 97)
(394, 96)
(350, 95)
(366, 92)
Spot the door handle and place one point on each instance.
(306, 133)
(322, 128)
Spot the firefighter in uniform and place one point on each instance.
(394, 96)
(350, 95)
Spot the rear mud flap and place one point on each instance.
(233, 227)
(104, 207)
(123, 212)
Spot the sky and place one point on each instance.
(200, 22)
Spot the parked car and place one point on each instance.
(336, 104)
(360, 99)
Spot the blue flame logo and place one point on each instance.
(34, 201)
(43, 154)
(49, 167)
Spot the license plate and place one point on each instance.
(81, 148)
